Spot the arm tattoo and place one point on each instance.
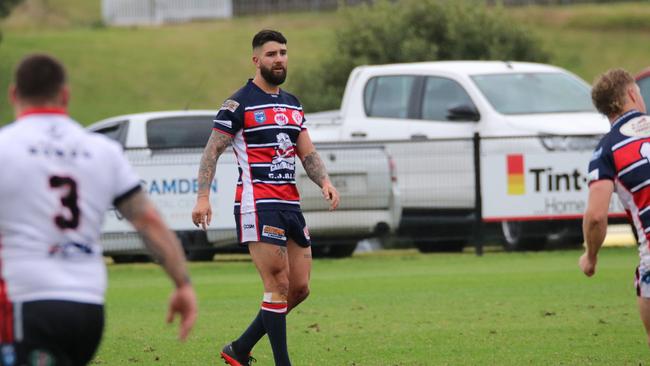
(161, 243)
(132, 209)
(216, 145)
(315, 168)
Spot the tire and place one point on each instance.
(131, 258)
(516, 236)
(333, 250)
(196, 246)
(567, 236)
(447, 246)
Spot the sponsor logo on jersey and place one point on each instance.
(230, 105)
(279, 109)
(637, 127)
(260, 116)
(249, 226)
(284, 154)
(273, 232)
(71, 249)
(306, 232)
(297, 117)
(281, 119)
(593, 175)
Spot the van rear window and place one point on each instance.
(176, 132)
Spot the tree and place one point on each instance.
(411, 31)
(6, 6)
(5, 9)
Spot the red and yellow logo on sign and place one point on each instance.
(516, 183)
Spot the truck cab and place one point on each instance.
(427, 115)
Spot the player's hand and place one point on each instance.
(587, 264)
(331, 195)
(183, 302)
(202, 213)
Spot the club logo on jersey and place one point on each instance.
(260, 116)
(284, 154)
(273, 232)
(637, 127)
(281, 119)
(230, 105)
(8, 355)
(297, 117)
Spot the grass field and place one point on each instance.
(124, 70)
(398, 308)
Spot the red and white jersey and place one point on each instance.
(623, 156)
(57, 182)
(265, 129)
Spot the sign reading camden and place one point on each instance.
(528, 186)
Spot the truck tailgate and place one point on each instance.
(360, 174)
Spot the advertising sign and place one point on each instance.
(173, 190)
(537, 186)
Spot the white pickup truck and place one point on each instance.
(427, 115)
(165, 149)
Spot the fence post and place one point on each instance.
(478, 205)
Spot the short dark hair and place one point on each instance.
(268, 35)
(609, 91)
(39, 78)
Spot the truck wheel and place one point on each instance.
(447, 246)
(131, 258)
(568, 235)
(196, 246)
(516, 237)
(200, 255)
(333, 250)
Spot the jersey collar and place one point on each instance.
(51, 110)
(626, 117)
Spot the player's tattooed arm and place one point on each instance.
(159, 240)
(216, 145)
(315, 168)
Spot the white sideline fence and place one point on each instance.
(154, 12)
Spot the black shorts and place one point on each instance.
(273, 227)
(51, 332)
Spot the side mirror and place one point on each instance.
(463, 112)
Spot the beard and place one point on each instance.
(273, 77)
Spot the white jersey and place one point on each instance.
(56, 182)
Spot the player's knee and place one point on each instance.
(301, 292)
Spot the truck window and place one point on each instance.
(440, 94)
(388, 96)
(540, 92)
(114, 132)
(175, 132)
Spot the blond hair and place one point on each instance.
(609, 91)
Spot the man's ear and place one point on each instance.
(12, 95)
(632, 94)
(64, 96)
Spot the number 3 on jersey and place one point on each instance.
(68, 200)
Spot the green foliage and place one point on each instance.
(5, 9)
(411, 31)
(6, 6)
